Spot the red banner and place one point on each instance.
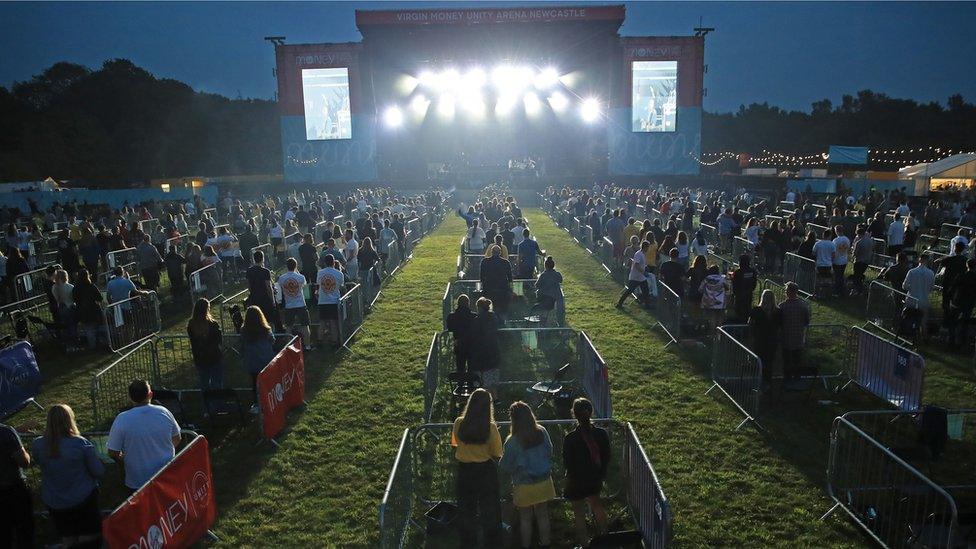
(281, 387)
(174, 509)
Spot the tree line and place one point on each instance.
(119, 124)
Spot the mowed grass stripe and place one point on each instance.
(323, 487)
(727, 488)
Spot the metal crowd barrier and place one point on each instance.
(207, 282)
(120, 258)
(522, 310)
(710, 233)
(270, 258)
(424, 471)
(131, 320)
(669, 311)
(528, 356)
(225, 305)
(469, 266)
(802, 271)
(949, 230)
(31, 283)
(875, 475)
(736, 370)
(351, 314)
(372, 282)
(166, 362)
(885, 369)
(885, 305)
(742, 246)
(818, 230)
(596, 376)
(180, 241)
(394, 258)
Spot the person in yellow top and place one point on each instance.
(478, 444)
(500, 242)
(651, 255)
(632, 229)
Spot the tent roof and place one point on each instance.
(961, 165)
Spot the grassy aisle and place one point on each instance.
(727, 488)
(323, 487)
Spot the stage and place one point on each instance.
(481, 95)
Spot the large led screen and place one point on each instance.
(326, 96)
(655, 95)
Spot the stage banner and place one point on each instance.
(847, 155)
(174, 509)
(20, 378)
(281, 387)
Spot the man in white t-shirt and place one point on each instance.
(823, 252)
(350, 252)
(896, 235)
(842, 248)
(292, 285)
(637, 277)
(330, 282)
(143, 440)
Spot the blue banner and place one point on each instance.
(847, 155)
(20, 378)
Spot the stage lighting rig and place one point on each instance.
(393, 117)
(590, 110)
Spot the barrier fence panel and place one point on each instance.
(949, 230)
(424, 475)
(179, 241)
(440, 350)
(818, 230)
(880, 258)
(885, 306)
(393, 258)
(742, 246)
(736, 370)
(605, 250)
(802, 271)
(596, 377)
(110, 386)
(372, 281)
(396, 508)
(711, 234)
(669, 311)
(120, 258)
(886, 370)
(886, 494)
(270, 258)
(350, 314)
(645, 496)
(10, 313)
(132, 320)
(471, 266)
(207, 282)
(31, 283)
(225, 310)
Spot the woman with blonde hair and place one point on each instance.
(70, 470)
(477, 445)
(528, 459)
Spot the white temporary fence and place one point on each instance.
(885, 369)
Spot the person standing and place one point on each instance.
(764, 328)
(823, 252)
(673, 273)
(528, 250)
(744, 280)
(863, 254)
(70, 472)
(794, 317)
(460, 324)
(486, 352)
(963, 301)
(478, 445)
(17, 518)
(586, 456)
(296, 317)
(896, 235)
(496, 280)
(309, 256)
(206, 344)
(150, 263)
(842, 247)
(143, 439)
(257, 347)
(330, 282)
(260, 291)
(637, 277)
(527, 457)
(918, 285)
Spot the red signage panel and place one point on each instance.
(281, 387)
(174, 509)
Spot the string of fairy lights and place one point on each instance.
(894, 156)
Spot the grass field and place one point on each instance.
(745, 488)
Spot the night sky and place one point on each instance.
(788, 54)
